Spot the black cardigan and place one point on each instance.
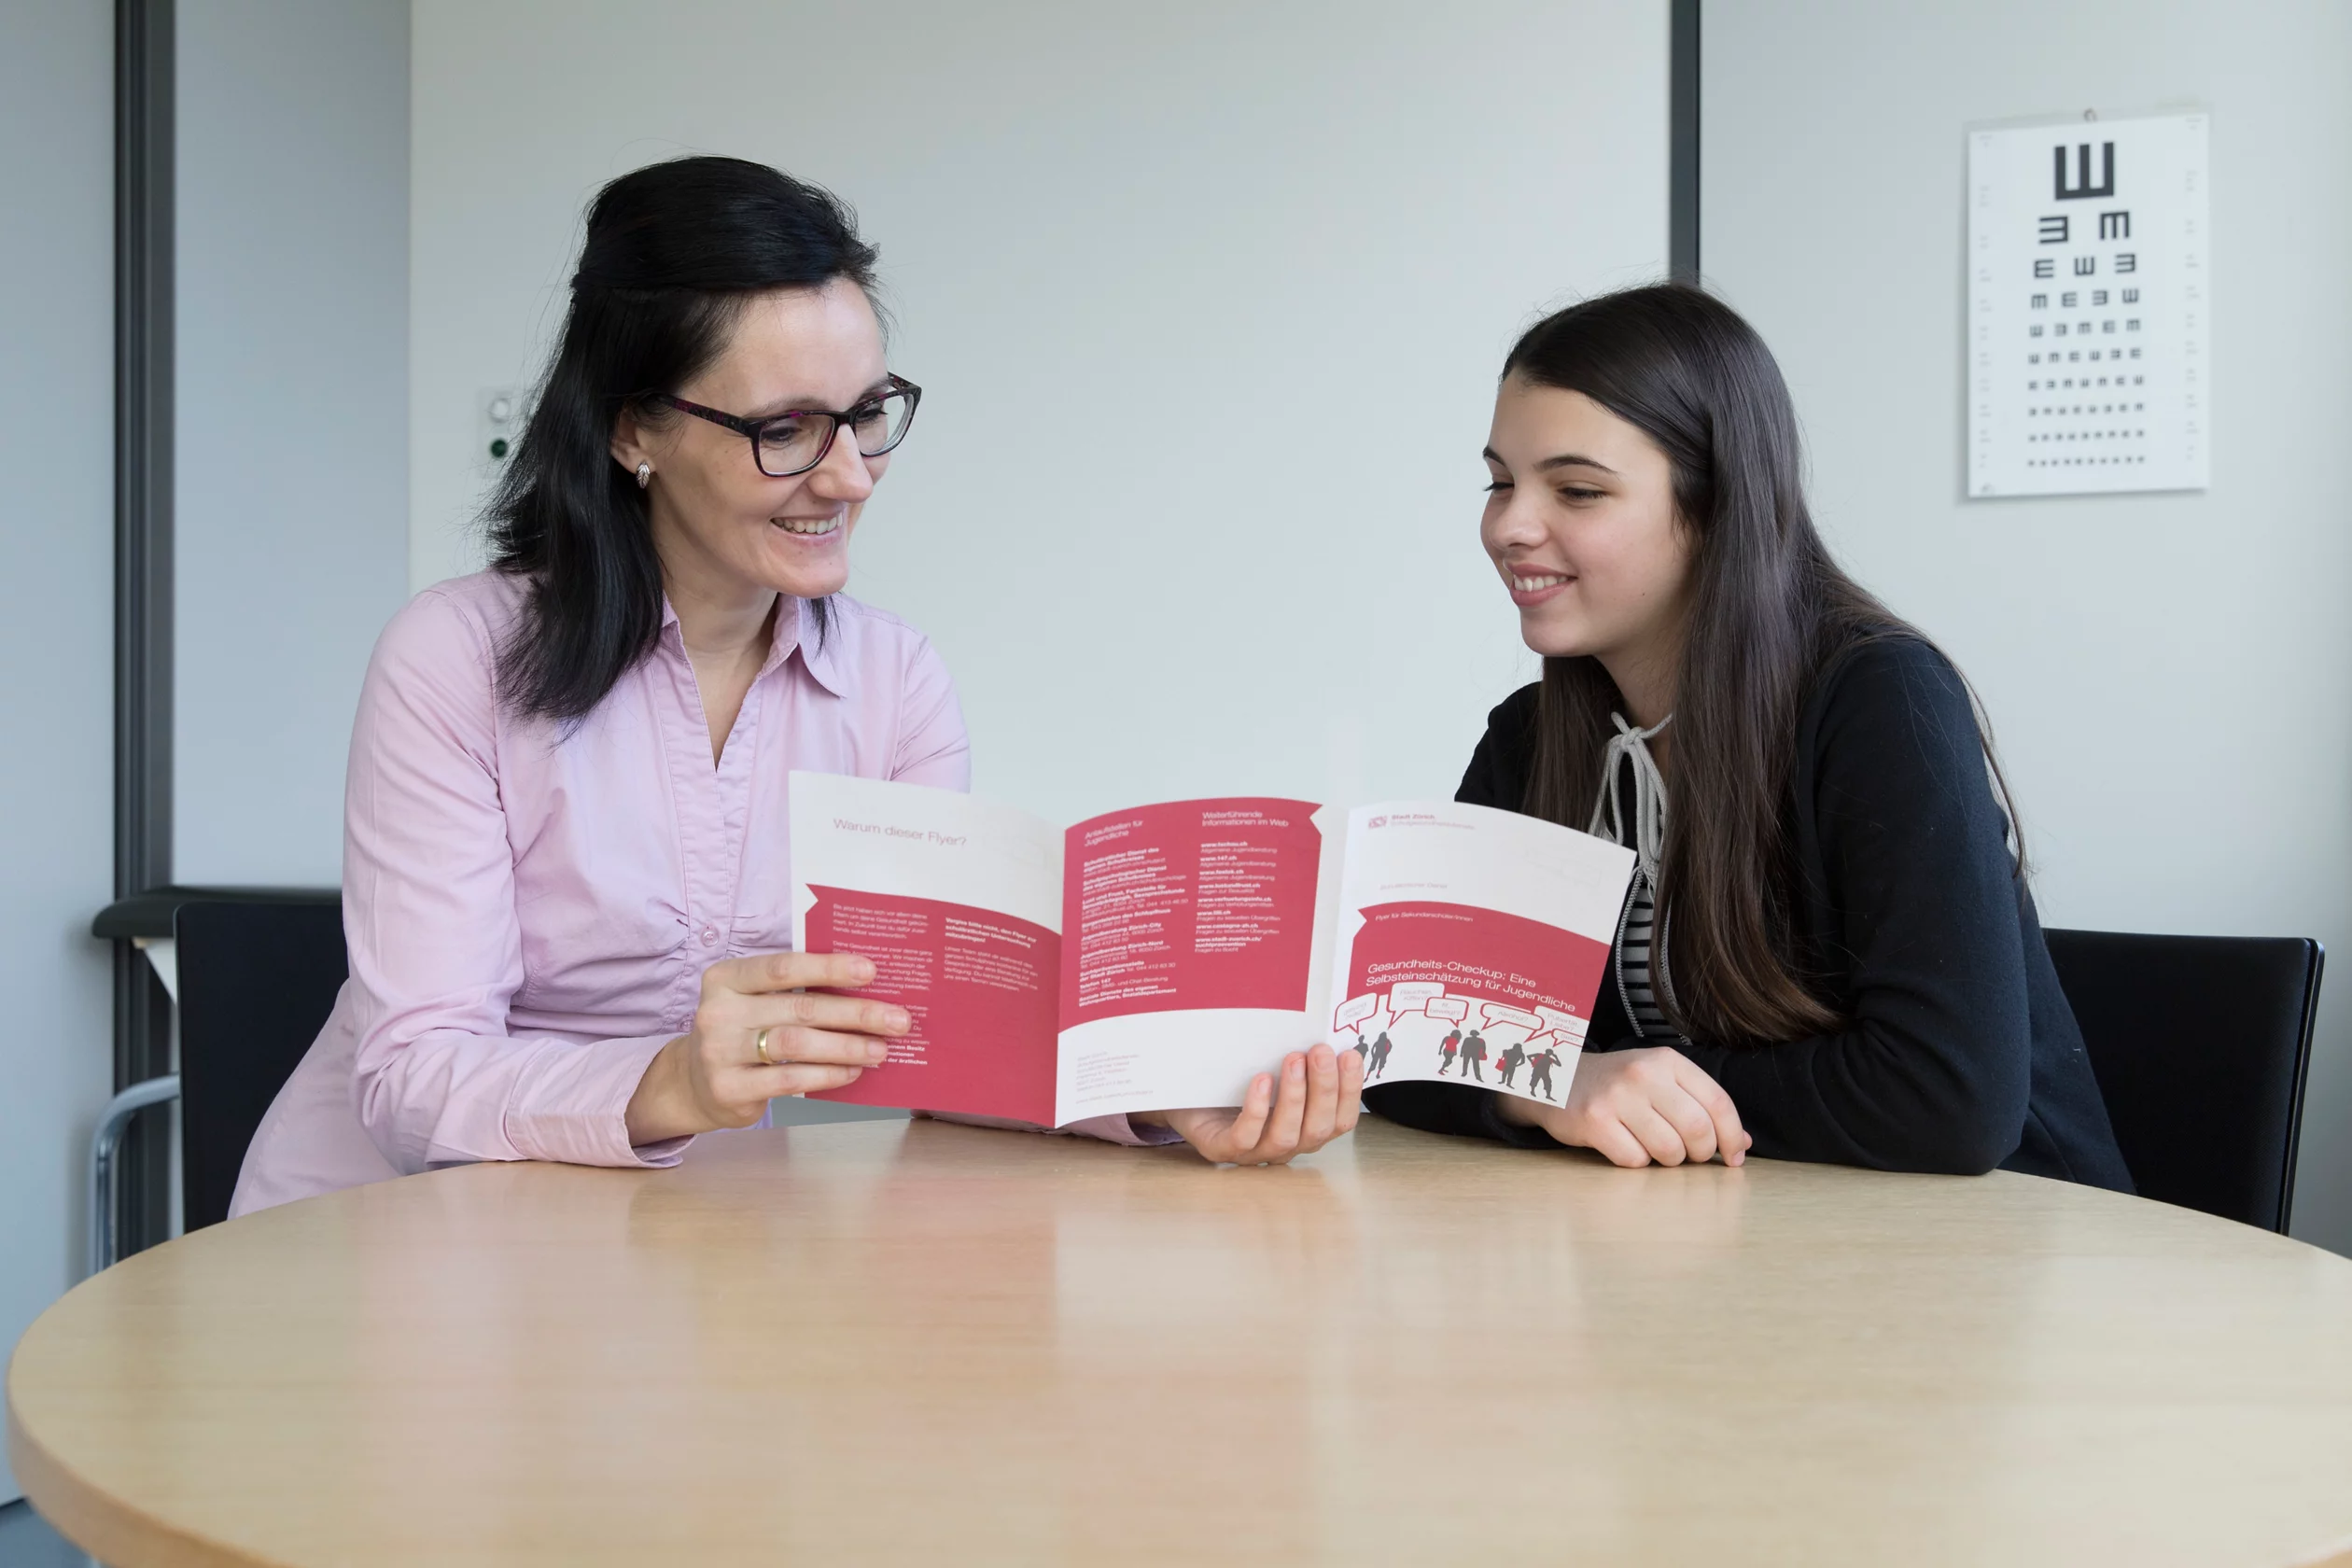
(1963, 1054)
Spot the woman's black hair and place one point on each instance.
(1770, 610)
(673, 253)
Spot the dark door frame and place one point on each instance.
(144, 143)
(1682, 119)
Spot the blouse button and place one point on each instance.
(710, 937)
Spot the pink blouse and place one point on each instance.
(529, 913)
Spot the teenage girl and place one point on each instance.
(1829, 952)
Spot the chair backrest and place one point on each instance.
(257, 982)
(2201, 1044)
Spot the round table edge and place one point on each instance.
(114, 1532)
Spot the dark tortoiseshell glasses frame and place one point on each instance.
(895, 387)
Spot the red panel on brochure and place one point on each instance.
(981, 988)
(1477, 953)
(1190, 905)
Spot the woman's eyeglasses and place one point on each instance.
(797, 439)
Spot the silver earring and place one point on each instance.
(645, 475)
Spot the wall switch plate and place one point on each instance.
(498, 425)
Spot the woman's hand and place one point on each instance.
(1638, 1106)
(1317, 1100)
(713, 1077)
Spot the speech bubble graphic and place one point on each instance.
(1567, 1026)
(1451, 1009)
(1354, 1011)
(1408, 995)
(1514, 1018)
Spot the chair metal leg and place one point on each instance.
(104, 1142)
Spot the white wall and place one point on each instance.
(292, 418)
(57, 640)
(2170, 677)
(1207, 300)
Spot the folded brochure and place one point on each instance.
(1162, 955)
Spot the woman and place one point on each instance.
(1829, 952)
(566, 889)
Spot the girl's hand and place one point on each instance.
(1638, 1106)
(714, 1077)
(1316, 1102)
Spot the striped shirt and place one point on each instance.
(1632, 811)
(1633, 962)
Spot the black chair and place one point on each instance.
(2201, 1044)
(257, 983)
(257, 979)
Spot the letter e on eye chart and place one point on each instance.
(2089, 316)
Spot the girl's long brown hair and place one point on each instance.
(1768, 611)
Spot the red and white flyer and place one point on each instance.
(1162, 955)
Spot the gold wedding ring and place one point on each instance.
(759, 1044)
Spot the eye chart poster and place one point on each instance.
(2089, 328)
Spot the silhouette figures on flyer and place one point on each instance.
(1473, 1052)
(1509, 1061)
(1539, 1066)
(1381, 1046)
(1446, 1049)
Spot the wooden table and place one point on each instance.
(881, 1343)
